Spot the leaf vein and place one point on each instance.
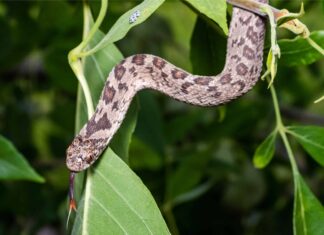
(108, 213)
(98, 68)
(125, 200)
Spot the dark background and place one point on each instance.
(178, 146)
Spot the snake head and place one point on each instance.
(83, 152)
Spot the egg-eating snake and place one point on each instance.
(242, 70)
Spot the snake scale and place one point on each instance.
(142, 71)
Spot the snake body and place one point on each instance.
(142, 71)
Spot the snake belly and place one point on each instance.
(142, 71)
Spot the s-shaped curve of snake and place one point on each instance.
(242, 69)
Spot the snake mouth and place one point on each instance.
(73, 164)
(80, 157)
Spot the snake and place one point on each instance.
(241, 71)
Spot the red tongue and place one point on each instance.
(72, 204)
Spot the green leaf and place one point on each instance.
(122, 25)
(299, 52)
(207, 52)
(117, 201)
(265, 151)
(145, 157)
(178, 127)
(194, 165)
(312, 140)
(308, 211)
(113, 199)
(13, 165)
(150, 127)
(193, 193)
(214, 9)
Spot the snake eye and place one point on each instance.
(89, 159)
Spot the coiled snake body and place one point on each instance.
(242, 69)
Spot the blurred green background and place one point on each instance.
(176, 147)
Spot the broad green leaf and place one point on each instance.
(114, 200)
(299, 52)
(312, 140)
(207, 52)
(123, 25)
(194, 193)
(265, 151)
(145, 157)
(194, 165)
(178, 127)
(214, 9)
(150, 128)
(308, 211)
(13, 165)
(117, 202)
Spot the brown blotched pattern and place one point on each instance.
(248, 53)
(122, 86)
(109, 94)
(94, 126)
(139, 59)
(115, 106)
(245, 21)
(242, 70)
(159, 63)
(252, 35)
(203, 81)
(119, 71)
(178, 74)
(185, 86)
(225, 79)
(239, 83)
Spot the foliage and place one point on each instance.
(13, 165)
(196, 162)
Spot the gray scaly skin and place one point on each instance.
(241, 72)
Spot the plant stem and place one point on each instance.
(282, 131)
(78, 71)
(167, 209)
(95, 27)
(319, 99)
(315, 45)
(75, 54)
(276, 106)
